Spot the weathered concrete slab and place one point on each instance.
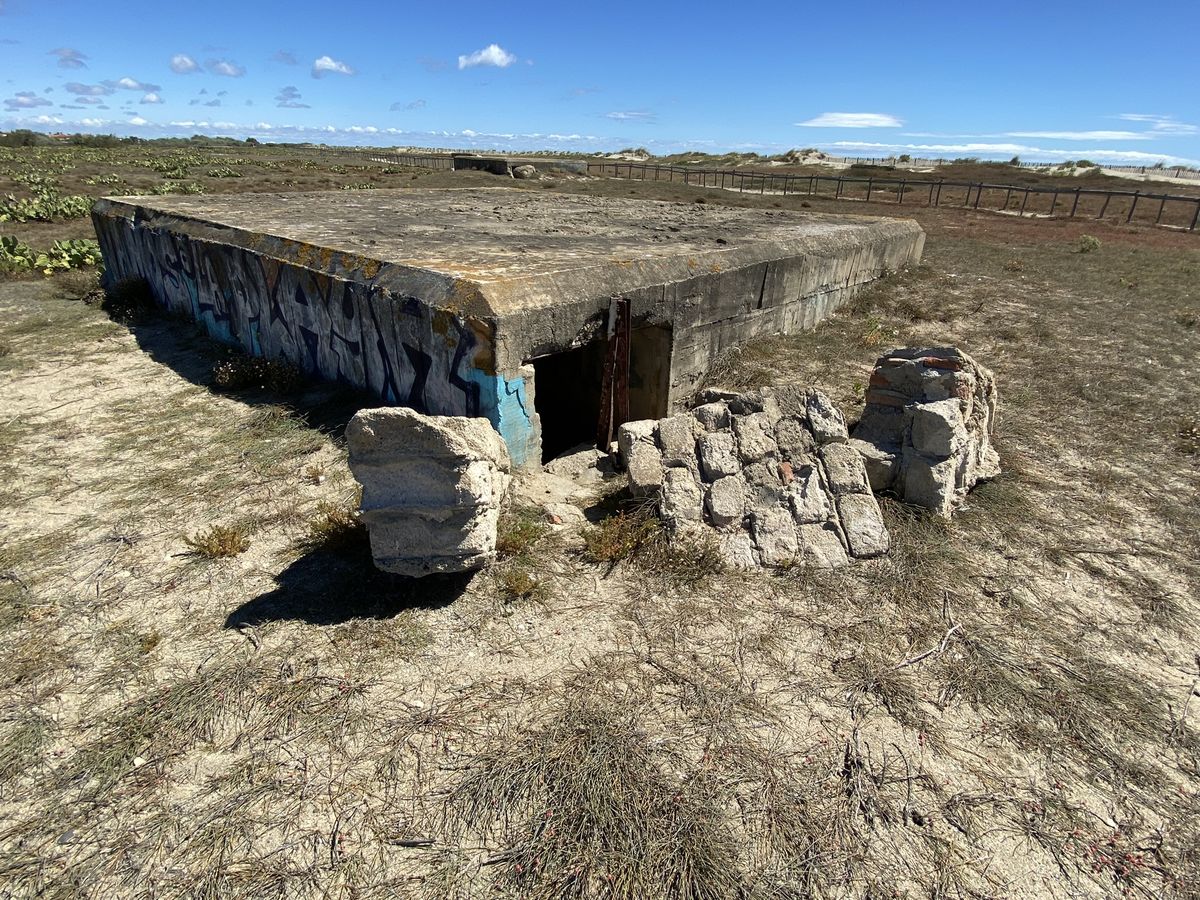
(432, 489)
(437, 299)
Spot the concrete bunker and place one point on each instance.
(530, 309)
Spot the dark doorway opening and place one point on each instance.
(568, 388)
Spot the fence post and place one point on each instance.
(1024, 200)
(1053, 203)
(1196, 217)
(938, 200)
(1163, 203)
(837, 195)
(870, 182)
(1075, 205)
(1132, 207)
(1107, 197)
(903, 185)
(978, 194)
(1007, 198)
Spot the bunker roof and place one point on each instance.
(493, 251)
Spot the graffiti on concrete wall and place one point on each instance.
(399, 348)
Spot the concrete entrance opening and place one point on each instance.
(569, 388)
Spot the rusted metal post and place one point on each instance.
(1104, 207)
(1075, 205)
(903, 185)
(870, 184)
(837, 195)
(978, 194)
(1161, 204)
(1007, 198)
(1054, 203)
(1024, 200)
(1196, 217)
(1132, 207)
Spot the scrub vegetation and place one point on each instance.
(207, 691)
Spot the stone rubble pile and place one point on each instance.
(432, 488)
(925, 434)
(771, 472)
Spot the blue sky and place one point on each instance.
(1045, 80)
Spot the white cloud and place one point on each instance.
(48, 120)
(132, 84)
(400, 105)
(852, 120)
(92, 123)
(327, 64)
(491, 55)
(1161, 124)
(182, 64)
(25, 100)
(226, 68)
(69, 58)
(138, 120)
(151, 97)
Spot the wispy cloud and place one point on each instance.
(25, 100)
(88, 90)
(852, 120)
(1161, 124)
(151, 98)
(491, 55)
(182, 64)
(284, 57)
(69, 58)
(400, 105)
(225, 68)
(1081, 135)
(1000, 150)
(327, 65)
(289, 98)
(643, 116)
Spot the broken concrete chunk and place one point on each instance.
(863, 524)
(825, 420)
(844, 469)
(717, 454)
(881, 464)
(432, 488)
(755, 436)
(774, 534)
(821, 546)
(677, 440)
(808, 498)
(680, 499)
(712, 416)
(938, 428)
(765, 485)
(794, 439)
(726, 501)
(925, 433)
(645, 466)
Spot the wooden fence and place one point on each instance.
(1167, 210)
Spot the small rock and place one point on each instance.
(844, 469)
(677, 440)
(863, 525)
(937, 428)
(726, 501)
(793, 438)
(755, 436)
(774, 534)
(738, 551)
(524, 172)
(821, 546)
(717, 454)
(809, 501)
(712, 416)
(825, 420)
(681, 497)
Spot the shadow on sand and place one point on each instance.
(323, 588)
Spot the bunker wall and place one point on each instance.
(399, 348)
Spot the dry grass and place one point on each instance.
(1004, 706)
(220, 541)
